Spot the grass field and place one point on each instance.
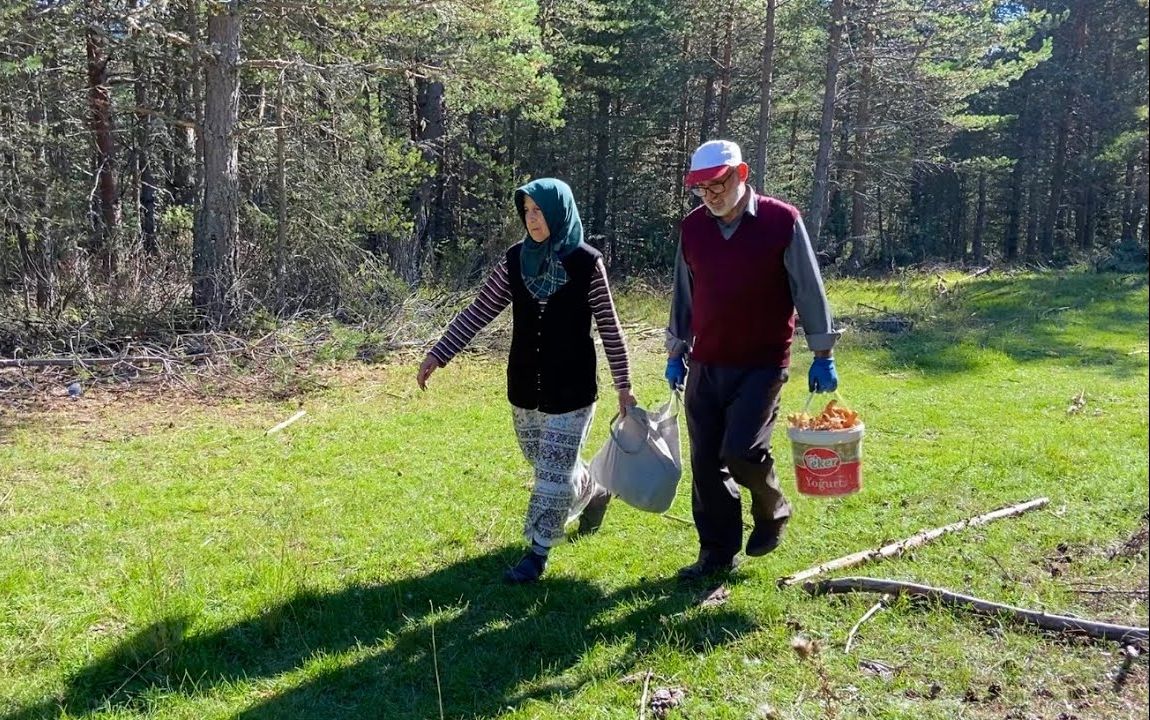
(163, 558)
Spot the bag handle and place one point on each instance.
(615, 422)
(648, 422)
(676, 402)
(673, 406)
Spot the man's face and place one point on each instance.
(720, 196)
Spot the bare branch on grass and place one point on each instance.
(1044, 620)
(1129, 653)
(84, 361)
(643, 698)
(866, 616)
(285, 423)
(435, 662)
(898, 548)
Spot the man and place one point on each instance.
(745, 264)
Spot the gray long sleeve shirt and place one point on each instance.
(802, 274)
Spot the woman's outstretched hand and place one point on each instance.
(428, 366)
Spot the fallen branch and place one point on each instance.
(1109, 591)
(867, 616)
(678, 519)
(1129, 653)
(897, 548)
(285, 423)
(70, 362)
(1046, 621)
(643, 699)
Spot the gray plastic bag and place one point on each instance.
(640, 462)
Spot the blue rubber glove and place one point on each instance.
(676, 373)
(822, 377)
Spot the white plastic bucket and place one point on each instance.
(828, 463)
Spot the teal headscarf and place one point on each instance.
(540, 264)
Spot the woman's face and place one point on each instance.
(536, 223)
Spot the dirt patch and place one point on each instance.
(121, 404)
(1136, 545)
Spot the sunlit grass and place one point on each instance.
(174, 562)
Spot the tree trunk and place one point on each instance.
(862, 136)
(792, 147)
(1066, 120)
(1142, 198)
(183, 100)
(1032, 207)
(826, 126)
(614, 255)
(708, 116)
(108, 215)
(977, 249)
(280, 254)
(599, 189)
(1014, 212)
(957, 230)
(145, 181)
(1057, 182)
(1084, 217)
(217, 224)
(886, 249)
(43, 254)
(725, 77)
(768, 66)
(682, 150)
(197, 99)
(1129, 212)
(429, 130)
(837, 222)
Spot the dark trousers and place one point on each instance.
(731, 414)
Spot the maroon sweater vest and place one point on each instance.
(742, 314)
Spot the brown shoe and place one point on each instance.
(708, 565)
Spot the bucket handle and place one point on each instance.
(812, 397)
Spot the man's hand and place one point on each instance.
(428, 366)
(676, 372)
(822, 377)
(626, 400)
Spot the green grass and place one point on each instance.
(161, 560)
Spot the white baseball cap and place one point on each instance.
(712, 159)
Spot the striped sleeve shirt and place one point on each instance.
(607, 321)
(495, 295)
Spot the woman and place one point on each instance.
(555, 284)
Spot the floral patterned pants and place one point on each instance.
(563, 487)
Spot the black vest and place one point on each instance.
(552, 361)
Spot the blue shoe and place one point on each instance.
(527, 570)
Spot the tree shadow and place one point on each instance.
(1026, 320)
(392, 650)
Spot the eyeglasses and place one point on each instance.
(713, 188)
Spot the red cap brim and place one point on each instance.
(707, 174)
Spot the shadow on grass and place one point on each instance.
(367, 651)
(1026, 319)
